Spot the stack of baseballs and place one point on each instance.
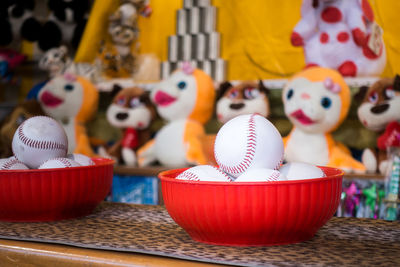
(249, 148)
(41, 143)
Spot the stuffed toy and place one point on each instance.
(17, 21)
(244, 98)
(132, 111)
(109, 63)
(341, 35)
(65, 24)
(9, 60)
(379, 111)
(56, 61)
(72, 101)
(10, 123)
(316, 101)
(185, 101)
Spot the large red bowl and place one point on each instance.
(54, 194)
(252, 213)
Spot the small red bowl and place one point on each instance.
(54, 194)
(252, 213)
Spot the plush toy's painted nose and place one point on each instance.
(305, 96)
(121, 116)
(378, 109)
(236, 105)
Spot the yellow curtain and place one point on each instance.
(254, 34)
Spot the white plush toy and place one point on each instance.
(342, 35)
(316, 101)
(185, 100)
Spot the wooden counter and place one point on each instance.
(27, 254)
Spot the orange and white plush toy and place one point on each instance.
(72, 101)
(317, 101)
(185, 100)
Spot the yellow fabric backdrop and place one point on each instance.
(254, 34)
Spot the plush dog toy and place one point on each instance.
(245, 98)
(379, 111)
(72, 101)
(341, 35)
(185, 100)
(316, 101)
(131, 110)
(10, 123)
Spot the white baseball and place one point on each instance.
(204, 173)
(59, 163)
(300, 171)
(38, 139)
(12, 163)
(246, 142)
(81, 159)
(261, 175)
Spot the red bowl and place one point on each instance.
(252, 213)
(54, 194)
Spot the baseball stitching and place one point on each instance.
(38, 144)
(8, 164)
(66, 162)
(250, 151)
(191, 176)
(274, 176)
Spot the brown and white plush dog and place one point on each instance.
(245, 98)
(131, 110)
(380, 107)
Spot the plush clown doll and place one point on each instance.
(72, 101)
(316, 101)
(185, 101)
(342, 35)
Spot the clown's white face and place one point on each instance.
(175, 97)
(310, 106)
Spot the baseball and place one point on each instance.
(38, 139)
(247, 142)
(204, 173)
(59, 163)
(261, 175)
(81, 159)
(12, 163)
(300, 171)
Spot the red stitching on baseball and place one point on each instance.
(190, 176)
(38, 144)
(8, 164)
(250, 150)
(66, 162)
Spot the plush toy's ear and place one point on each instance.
(50, 36)
(30, 29)
(6, 32)
(223, 88)
(396, 84)
(145, 98)
(115, 90)
(262, 87)
(359, 96)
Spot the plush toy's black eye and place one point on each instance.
(289, 94)
(182, 85)
(326, 102)
(68, 87)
